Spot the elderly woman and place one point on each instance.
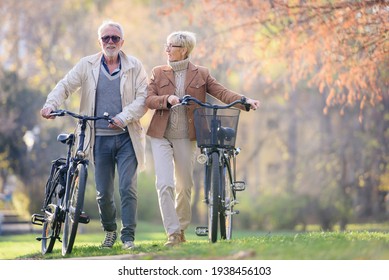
(171, 131)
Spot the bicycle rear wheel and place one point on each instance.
(52, 224)
(228, 198)
(213, 196)
(75, 202)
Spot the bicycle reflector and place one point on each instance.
(201, 158)
(239, 186)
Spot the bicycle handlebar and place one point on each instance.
(61, 113)
(187, 98)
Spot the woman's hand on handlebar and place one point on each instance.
(173, 100)
(254, 104)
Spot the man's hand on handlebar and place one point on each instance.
(45, 112)
(115, 123)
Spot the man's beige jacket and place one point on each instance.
(133, 90)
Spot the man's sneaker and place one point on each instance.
(110, 238)
(173, 240)
(128, 245)
(182, 235)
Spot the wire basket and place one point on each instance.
(226, 125)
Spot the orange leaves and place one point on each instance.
(339, 48)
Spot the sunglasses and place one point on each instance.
(114, 38)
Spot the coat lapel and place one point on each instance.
(95, 61)
(190, 74)
(169, 74)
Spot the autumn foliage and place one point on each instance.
(339, 47)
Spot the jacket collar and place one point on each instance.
(126, 64)
(95, 61)
(190, 74)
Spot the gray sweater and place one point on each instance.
(108, 100)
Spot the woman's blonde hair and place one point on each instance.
(183, 38)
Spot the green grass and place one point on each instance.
(350, 245)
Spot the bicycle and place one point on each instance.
(65, 189)
(216, 128)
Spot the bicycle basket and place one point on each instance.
(226, 125)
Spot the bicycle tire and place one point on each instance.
(213, 195)
(75, 204)
(226, 214)
(51, 225)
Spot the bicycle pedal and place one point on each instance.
(239, 186)
(201, 231)
(84, 219)
(37, 219)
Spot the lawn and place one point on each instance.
(369, 242)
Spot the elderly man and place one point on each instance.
(110, 81)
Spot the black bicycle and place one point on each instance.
(216, 128)
(65, 189)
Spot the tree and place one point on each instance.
(18, 107)
(337, 45)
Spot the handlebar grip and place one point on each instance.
(184, 100)
(246, 105)
(57, 113)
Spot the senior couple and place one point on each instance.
(111, 81)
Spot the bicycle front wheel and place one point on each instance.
(228, 199)
(74, 202)
(213, 196)
(52, 224)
